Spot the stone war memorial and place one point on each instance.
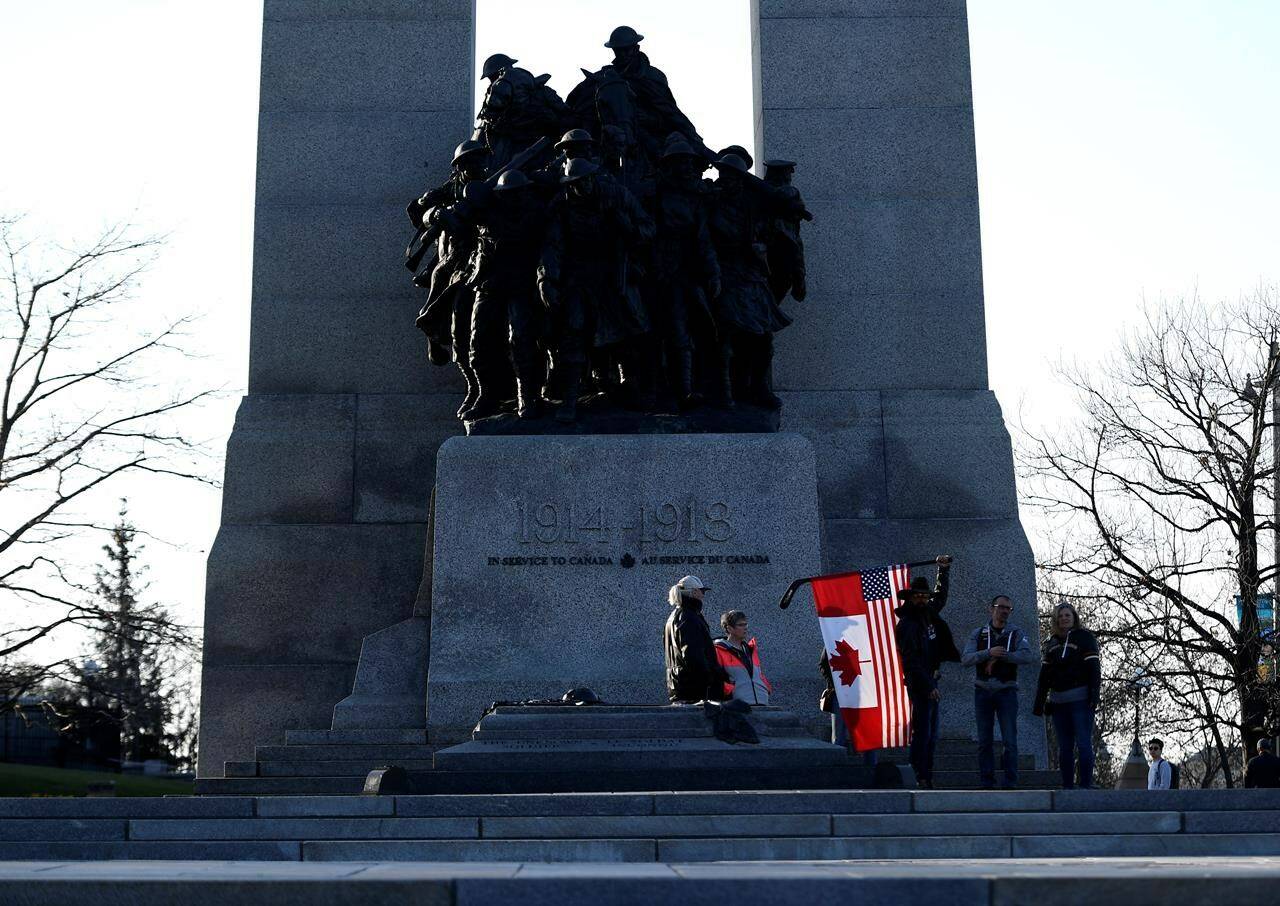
(601, 369)
(635, 358)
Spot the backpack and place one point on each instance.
(1175, 776)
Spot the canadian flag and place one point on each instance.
(856, 613)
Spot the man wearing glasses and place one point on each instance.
(995, 651)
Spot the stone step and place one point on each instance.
(968, 780)
(636, 849)
(355, 737)
(840, 777)
(159, 850)
(279, 786)
(128, 807)
(970, 763)
(487, 733)
(674, 755)
(1047, 882)
(353, 768)
(303, 829)
(342, 752)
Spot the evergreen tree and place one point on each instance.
(136, 669)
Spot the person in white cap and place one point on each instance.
(692, 670)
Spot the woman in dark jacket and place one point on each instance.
(693, 672)
(1068, 690)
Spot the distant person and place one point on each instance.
(924, 643)
(1263, 770)
(1160, 774)
(995, 651)
(692, 671)
(739, 657)
(1068, 690)
(829, 703)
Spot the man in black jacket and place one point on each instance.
(1263, 770)
(693, 672)
(924, 643)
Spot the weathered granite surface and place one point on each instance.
(553, 556)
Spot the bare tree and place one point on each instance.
(1157, 503)
(81, 409)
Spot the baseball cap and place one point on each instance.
(692, 582)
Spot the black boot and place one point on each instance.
(684, 376)
(488, 397)
(528, 392)
(723, 398)
(567, 411)
(473, 390)
(761, 371)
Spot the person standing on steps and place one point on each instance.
(924, 644)
(1160, 774)
(1069, 687)
(995, 651)
(1263, 770)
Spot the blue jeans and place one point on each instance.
(988, 707)
(924, 735)
(1073, 722)
(840, 736)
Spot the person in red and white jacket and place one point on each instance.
(740, 659)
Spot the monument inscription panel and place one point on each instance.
(553, 556)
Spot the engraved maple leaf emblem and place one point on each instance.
(845, 662)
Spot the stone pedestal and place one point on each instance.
(553, 557)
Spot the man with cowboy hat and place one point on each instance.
(924, 644)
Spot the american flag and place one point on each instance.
(855, 611)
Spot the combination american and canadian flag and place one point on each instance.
(855, 611)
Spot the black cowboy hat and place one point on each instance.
(918, 584)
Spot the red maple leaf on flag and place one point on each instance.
(846, 662)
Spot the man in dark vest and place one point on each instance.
(995, 652)
(924, 644)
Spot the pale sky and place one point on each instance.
(1126, 148)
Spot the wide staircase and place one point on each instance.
(601, 748)
(665, 827)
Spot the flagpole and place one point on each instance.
(795, 586)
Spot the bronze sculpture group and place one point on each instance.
(603, 262)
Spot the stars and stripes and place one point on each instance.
(855, 611)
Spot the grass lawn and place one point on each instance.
(38, 780)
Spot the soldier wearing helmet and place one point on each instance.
(446, 315)
(506, 322)
(517, 110)
(686, 274)
(786, 248)
(586, 282)
(657, 113)
(747, 314)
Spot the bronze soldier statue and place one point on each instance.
(507, 322)
(786, 248)
(518, 109)
(446, 315)
(685, 270)
(587, 282)
(637, 125)
(747, 315)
